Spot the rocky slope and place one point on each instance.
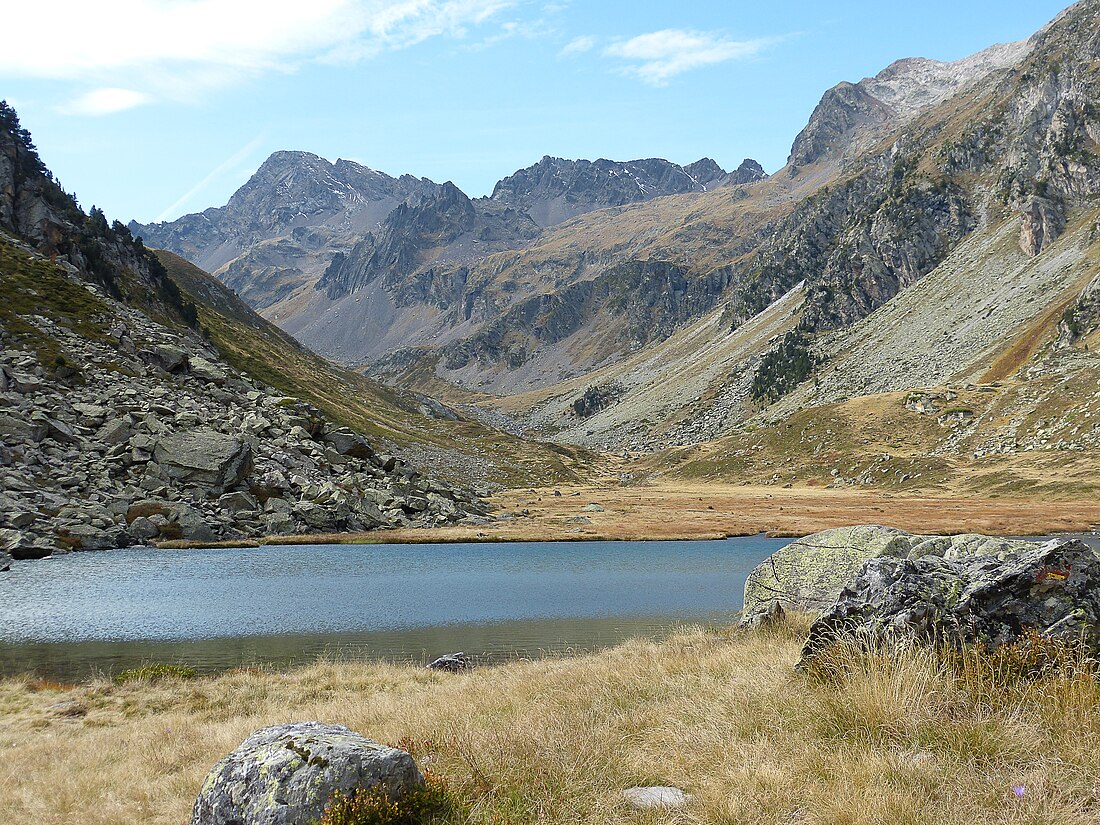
(122, 423)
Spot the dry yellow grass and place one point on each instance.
(669, 509)
(895, 740)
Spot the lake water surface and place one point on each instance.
(74, 615)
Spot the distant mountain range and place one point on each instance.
(933, 225)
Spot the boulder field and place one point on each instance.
(145, 434)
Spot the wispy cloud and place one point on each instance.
(578, 45)
(220, 171)
(657, 57)
(180, 49)
(524, 29)
(105, 102)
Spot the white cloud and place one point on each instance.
(105, 102)
(658, 56)
(179, 49)
(578, 45)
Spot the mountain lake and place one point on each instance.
(75, 616)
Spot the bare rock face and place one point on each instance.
(1052, 589)
(286, 774)
(1042, 223)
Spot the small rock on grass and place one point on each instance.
(656, 796)
(452, 663)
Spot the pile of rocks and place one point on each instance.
(142, 433)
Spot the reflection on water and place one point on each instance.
(221, 608)
(486, 643)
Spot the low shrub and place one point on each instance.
(430, 803)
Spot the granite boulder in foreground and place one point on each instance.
(1052, 589)
(286, 774)
(808, 574)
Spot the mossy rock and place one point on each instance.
(808, 574)
(287, 774)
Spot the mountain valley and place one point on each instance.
(931, 236)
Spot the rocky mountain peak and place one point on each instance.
(705, 171)
(748, 172)
(851, 115)
(555, 189)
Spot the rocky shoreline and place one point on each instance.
(141, 433)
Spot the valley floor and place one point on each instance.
(723, 715)
(684, 510)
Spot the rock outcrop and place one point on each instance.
(1051, 589)
(808, 574)
(286, 775)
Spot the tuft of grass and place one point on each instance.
(149, 673)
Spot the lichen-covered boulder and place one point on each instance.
(808, 574)
(286, 774)
(1052, 589)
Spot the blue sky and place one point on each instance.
(154, 108)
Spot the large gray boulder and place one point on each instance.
(1052, 589)
(347, 442)
(286, 774)
(22, 546)
(808, 574)
(205, 458)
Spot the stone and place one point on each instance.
(205, 457)
(5, 562)
(207, 371)
(143, 529)
(191, 523)
(656, 796)
(451, 663)
(21, 546)
(993, 599)
(114, 432)
(286, 775)
(347, 442)
(593, 508)
(166, 357)
(807, 575)
(89, 537)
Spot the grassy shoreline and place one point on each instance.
(721, 714)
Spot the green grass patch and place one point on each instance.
(152, 673)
